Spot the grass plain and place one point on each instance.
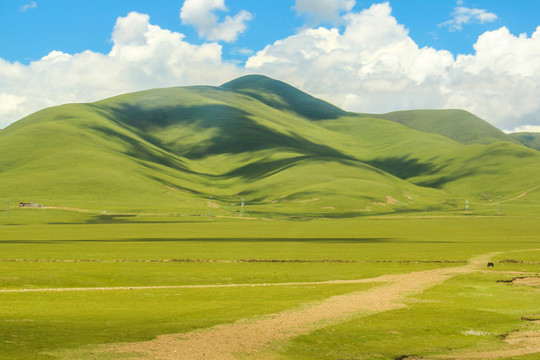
(65, 249)
(470, 313)
(129, 183)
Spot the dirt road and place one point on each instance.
(249, 339)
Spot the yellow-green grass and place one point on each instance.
(450, 123)
(54, 274)
(36, 323)
(316, 250)
(528, 139)
(467, 313)
(526, 261)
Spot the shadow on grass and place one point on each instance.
(403, 167)
(237, 133)
(128, 219)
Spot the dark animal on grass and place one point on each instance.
(490, 264)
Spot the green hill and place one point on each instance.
(458, 125)
(284, 151)
(529, 139)
(280, 95)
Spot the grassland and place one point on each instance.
(451, 124)
(139, 252)
(467, 314)
(141, 233)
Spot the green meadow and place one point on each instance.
(173, 210)
(59, 249)
(472, 312)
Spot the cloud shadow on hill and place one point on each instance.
(403, 167)
(237, 131)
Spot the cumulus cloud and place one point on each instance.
(323, 10)
(143, 56)
(369, 65)
(374, 66)
(528, 128)
(463, 15)
(200, 14)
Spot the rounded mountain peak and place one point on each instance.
(281, 95)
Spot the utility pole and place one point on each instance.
(467, 206)
(500, 205)
(242, 208)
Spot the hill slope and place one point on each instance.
(458, 125)
(282, 150)
(529, 139)
(280, 95)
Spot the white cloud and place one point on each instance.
(200, 14)
(528, 128)
(463, 15)
(242, 51)
(143, 56)
(374, 66)
(29, 6)
(10, 103)
(322, 10)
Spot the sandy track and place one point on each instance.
(251, 338)
(112, 288)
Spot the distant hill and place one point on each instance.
(285, 152)
(459, 125)
(529, 139)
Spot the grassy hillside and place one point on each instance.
(278, 94)
(458, 125)
(528, 139)
(285, 152)
(83, 160)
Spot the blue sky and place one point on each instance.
(74, 26)
(405, 53)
